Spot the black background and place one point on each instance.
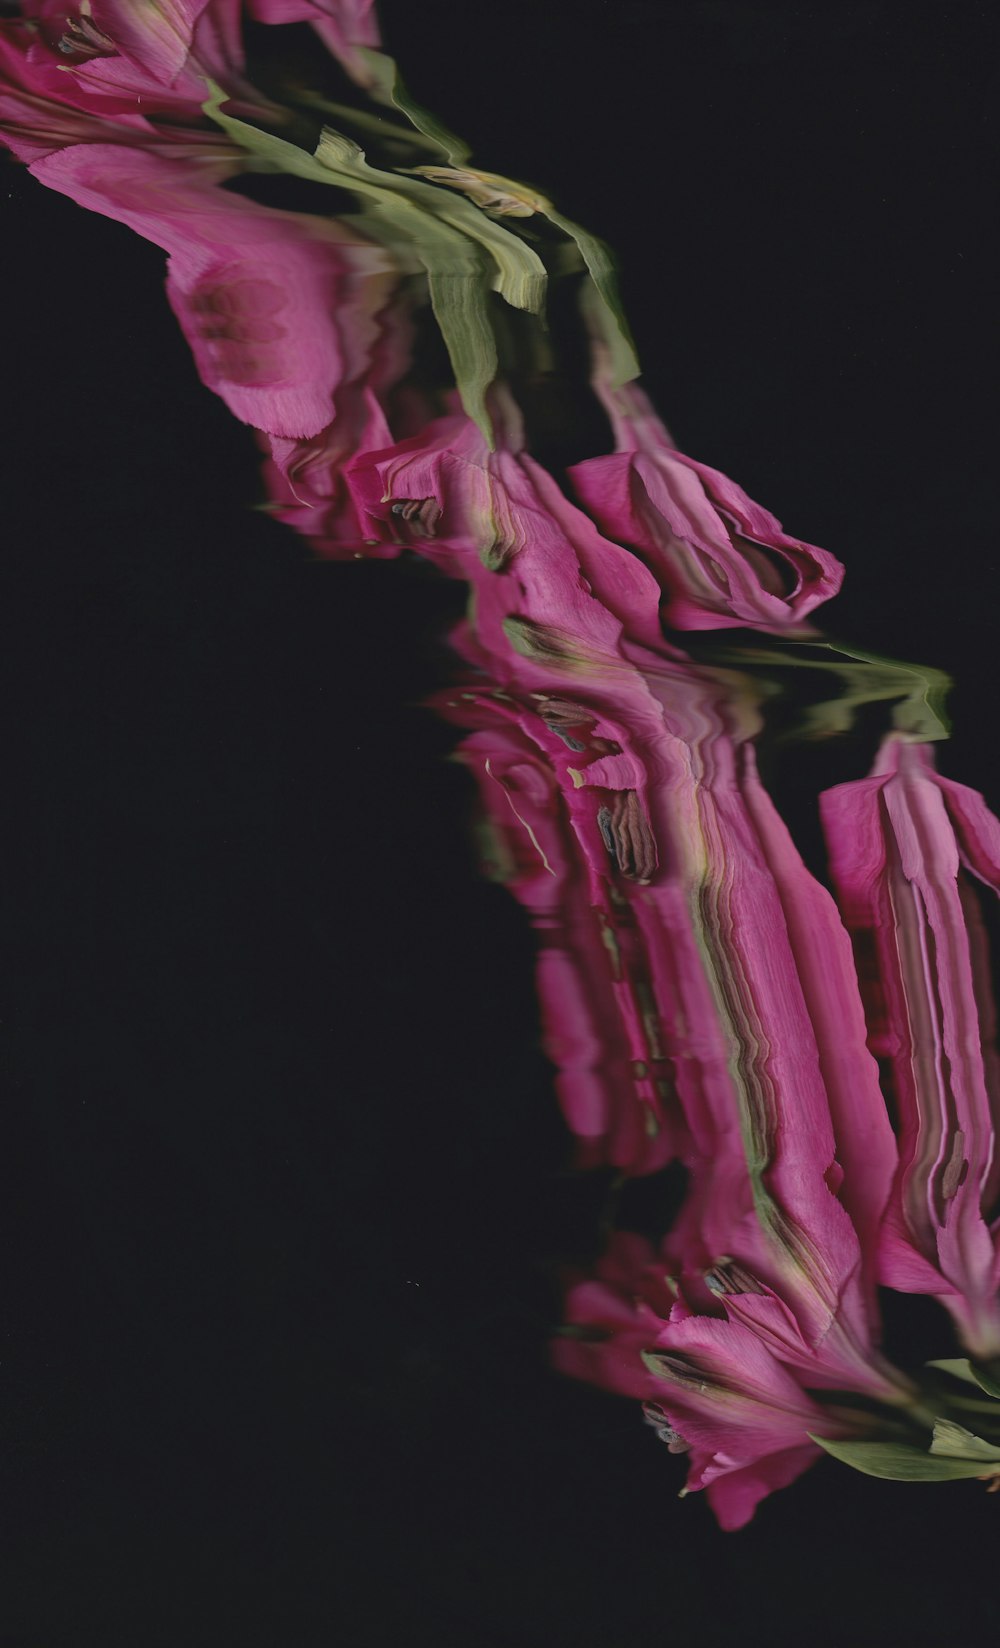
(281, 1177)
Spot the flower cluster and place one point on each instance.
(824, 1069)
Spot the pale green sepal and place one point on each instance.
(970, 1374)
(900, 1462)
(555, 648)
(958, 1443)
(662, 1366)
(957, 1366)
(961, 1368)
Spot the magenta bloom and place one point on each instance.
(42, 110)
(905, 849)
(730, 972)
(720, 559)
(120, 59)
(714, 1389)
(698, 992)
(679, 839)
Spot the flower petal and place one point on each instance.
(898, 866)
(255, 290)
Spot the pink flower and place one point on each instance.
(258, 292)
(118, 58)
(905, 848)
(346, 27)
(748, 1019)
(684, 855)
(739, 998)
(721, 559)
(306, 478)
(713, 1389)
(759, 1018)
(37, 116)
(541, 571)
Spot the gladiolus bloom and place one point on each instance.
(743, 1419)
(721, 559)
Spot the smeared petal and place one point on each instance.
(742, 1419)
(720, 559)
(899, 867)
(255, 290)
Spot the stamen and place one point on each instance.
(665, 1431)
(424, 512)
(728, 1276)
(84, 39)
(628, 836)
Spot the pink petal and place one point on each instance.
(156, 38)
(897, 861)
(255, 290)
(122, 57)
(735, 1495)
(865, 1146)
(39, 111)
(709, 545)
(591, 1016)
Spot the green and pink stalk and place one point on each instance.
(699, 997)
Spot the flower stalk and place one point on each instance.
(825, 1071)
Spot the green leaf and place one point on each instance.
(899, 1462)
(284, 156)
(520, 277)
(457, 300)
(985, 1380)
(868, 678)
(607, 310)
(458, 279)
(920, 690)
(600, 300)
(379, 125)
(387, 87)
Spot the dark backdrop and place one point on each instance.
(281, 1178)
